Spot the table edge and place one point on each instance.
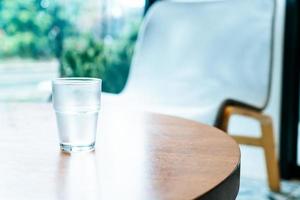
(227, 189)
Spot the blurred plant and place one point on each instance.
(31, 28)
(42, 29)
(83, 56)
(86, 56)
(119, 60)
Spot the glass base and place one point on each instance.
(73, 148)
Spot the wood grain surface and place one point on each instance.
(138, 156)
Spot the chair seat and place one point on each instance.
(204, 114)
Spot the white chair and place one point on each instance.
(206, 61)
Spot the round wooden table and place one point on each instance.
(138, 156)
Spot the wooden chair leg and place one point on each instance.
(266, 140)
(270, 156)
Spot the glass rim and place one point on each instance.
(76, 80)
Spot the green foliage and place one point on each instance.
(44, 29)
(31, 28)
(86, 56)
(83, 56)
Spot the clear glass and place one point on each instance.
(76, 102)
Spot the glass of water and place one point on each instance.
(76, 102)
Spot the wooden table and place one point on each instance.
(138, 156)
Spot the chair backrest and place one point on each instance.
(189, 53)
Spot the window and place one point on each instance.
(43, 39)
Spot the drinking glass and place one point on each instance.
(76, 102)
